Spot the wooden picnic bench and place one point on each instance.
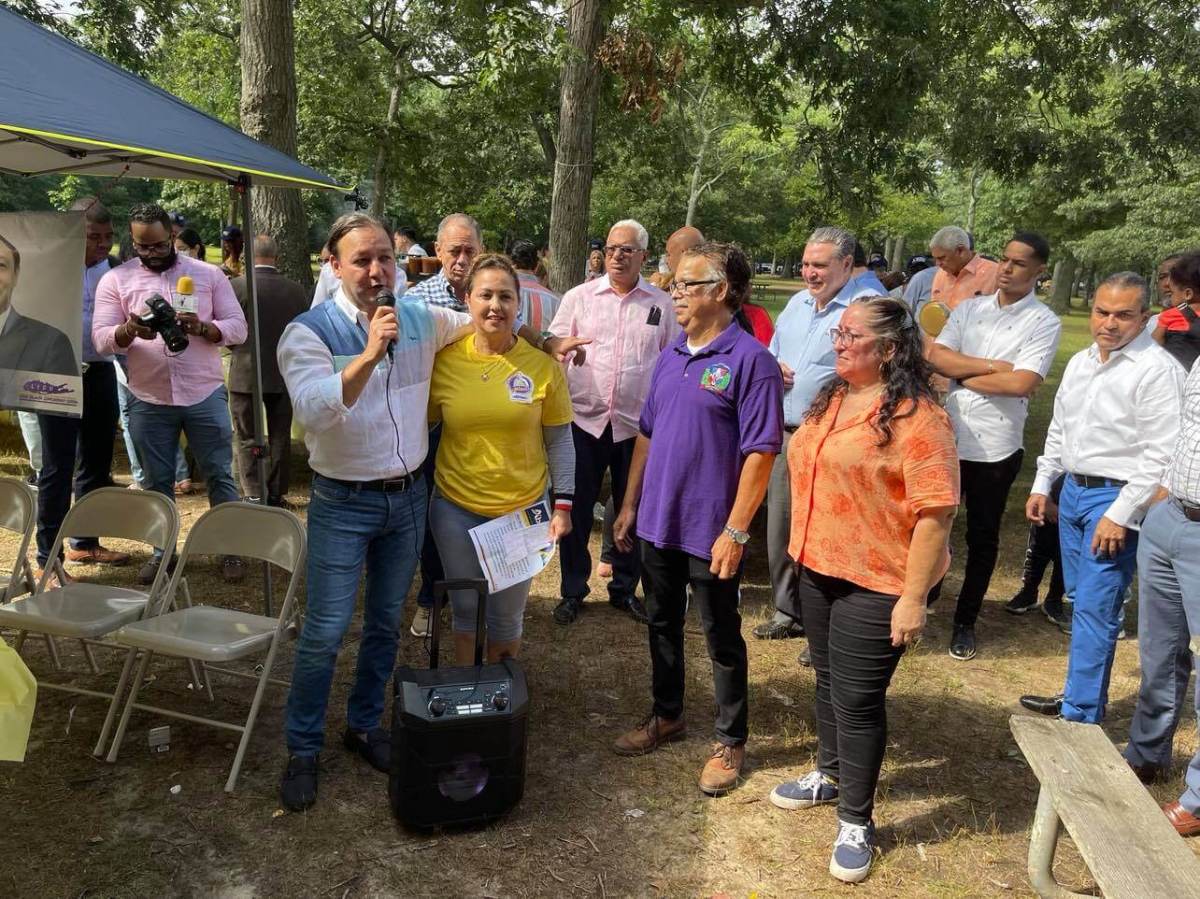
(1126, 841)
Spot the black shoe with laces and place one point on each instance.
(962, 643)
(1025, 601)
(781, 627)
(567, 610)
(374, 745)
(298, 790)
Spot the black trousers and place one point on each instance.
(1043, 551)
(850, 639)
(667, 573)
(985, 487)
(87, 440)
(279, 443)
(594, 456)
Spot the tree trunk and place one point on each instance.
(896, 259)
(888, 243)
(1064, 284)
(268, 113)
(696, 187)
(379, 198)
(571, 201)
(974, 202)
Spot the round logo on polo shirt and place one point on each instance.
(716, 377)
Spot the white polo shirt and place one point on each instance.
(1025, 333)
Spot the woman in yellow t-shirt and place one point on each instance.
(506, 446)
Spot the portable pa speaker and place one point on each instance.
(458, 734)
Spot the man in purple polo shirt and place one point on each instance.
(709, 432)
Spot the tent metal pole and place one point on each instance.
(259, 449)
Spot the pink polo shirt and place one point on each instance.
(627, 335)
(156, 376)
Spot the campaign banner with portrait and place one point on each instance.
(41, 311)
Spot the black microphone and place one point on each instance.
(385, 297)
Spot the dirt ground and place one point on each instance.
(954, 807)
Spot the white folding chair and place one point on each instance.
(89, 611)
(18, 513)
(212, 635)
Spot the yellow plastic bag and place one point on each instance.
(18, 695)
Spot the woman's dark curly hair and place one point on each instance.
(905, 371)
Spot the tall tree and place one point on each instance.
(572, 195)
(268, 113)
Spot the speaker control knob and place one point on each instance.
(500, 702)
(437, 706)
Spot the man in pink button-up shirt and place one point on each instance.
(630, 322)
(173, 392)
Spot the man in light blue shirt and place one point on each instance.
(804, 350)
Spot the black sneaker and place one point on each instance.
(805, 658)
(1025, 601)
(632, 605)
(962, 644)
(298, 791)
(1056, 612)
(780, 627)
(567, 610)
(374, 745)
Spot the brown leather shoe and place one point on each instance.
(723, 770)
(650, 733)
(1185, 823)
(54, 582)
(97, 555)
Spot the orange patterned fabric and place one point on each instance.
(975, 279)
(855, 503)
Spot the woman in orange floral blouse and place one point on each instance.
(874, 477)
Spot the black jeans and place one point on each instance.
(88, 439)
(279, 442)
(1041, 551)
(594, 455)
(985, 487)
(667, 573)
(850, 639)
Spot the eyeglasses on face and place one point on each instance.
(685, 286)
(161, 246)
(841, 335)
(621, 250)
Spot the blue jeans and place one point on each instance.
(135, 466)
(1168, 623)
(1098, 586)
(156, 428)
(347, 529)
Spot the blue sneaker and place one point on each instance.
(853, 851)
(812, 789)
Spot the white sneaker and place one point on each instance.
(420, 623)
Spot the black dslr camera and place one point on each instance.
(161, 320)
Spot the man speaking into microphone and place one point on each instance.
(358, 369)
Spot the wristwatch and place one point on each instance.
(741, 538)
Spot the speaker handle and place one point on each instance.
(440, 588)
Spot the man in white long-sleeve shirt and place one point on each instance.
(1116, 417)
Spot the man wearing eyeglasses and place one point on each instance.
(630, 322)
(802, 347)
(173, 392)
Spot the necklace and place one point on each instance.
(487, 369)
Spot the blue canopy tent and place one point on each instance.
(64, 110)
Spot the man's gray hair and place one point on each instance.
(459, 218)
(643, 237)
(265, 247)
(950, 237)
(843, 241)
(1129, 281)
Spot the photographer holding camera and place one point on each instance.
(173, 359)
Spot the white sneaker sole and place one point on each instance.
(793, 804)
(849, 875)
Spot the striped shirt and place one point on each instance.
(538, 303)
(1183, 474)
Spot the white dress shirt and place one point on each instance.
(1025, 333)
(1183, 476)
(1116, 419)
(385, 433)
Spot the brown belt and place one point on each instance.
(1192, 513)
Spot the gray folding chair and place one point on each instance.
(89, 611)
(213, 635)
(18, 513)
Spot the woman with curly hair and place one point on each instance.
(874, 477)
